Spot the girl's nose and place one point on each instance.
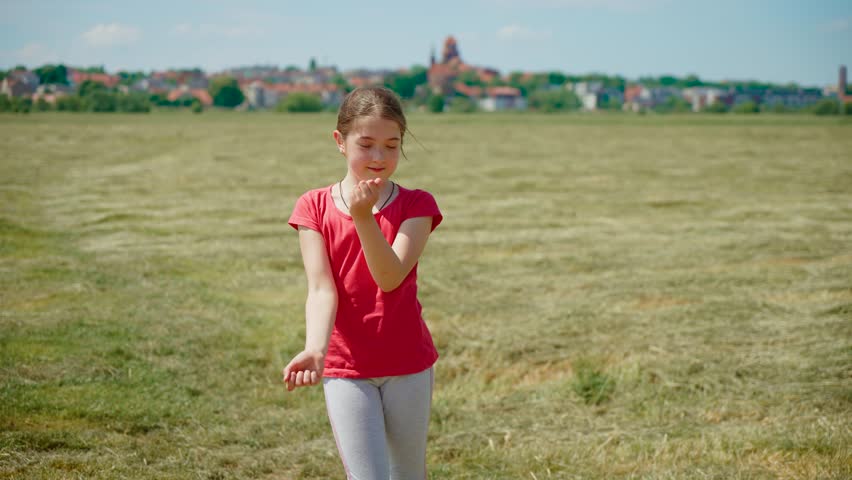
(377, 154)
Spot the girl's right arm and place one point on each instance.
(320, 310)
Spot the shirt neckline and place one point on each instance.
(375, 214)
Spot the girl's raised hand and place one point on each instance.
(364, 196)
(304, 369)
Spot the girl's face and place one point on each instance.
(371, 148)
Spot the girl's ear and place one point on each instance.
(341, 143)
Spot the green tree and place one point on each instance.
(826, 106)
(129, 78)
(298, 102)
(673, 104)
(746, 107)
(101, 101)
(471, 78)
(462, 105)
(88, 87)
(405, 83)
(312, 65)
(341, 82)
(716, 107)
(55, 74)
(610, 103)
(847, 108)
(22, 104)
(161, 100)
(690, 81)
(498, 82)
(668, 81)
(777, 107)
(556, 78)
(69, 103)
(41, 105)
(94, 69)
(435, 103)
(554, 100)
(196, 106)
(226, 92)
(516, 80)
(5, 103)
(135, 102)
(420, 74)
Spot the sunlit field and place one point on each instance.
(627, 297)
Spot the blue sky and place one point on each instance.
(778, 41)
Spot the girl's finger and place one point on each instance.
(314, 378)
(299, 378)
(370, 187)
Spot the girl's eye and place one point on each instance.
(392, 147)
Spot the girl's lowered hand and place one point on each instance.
(364, 196)
(304, 369)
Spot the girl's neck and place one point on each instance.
(349, 182)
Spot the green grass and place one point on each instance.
(612, 296)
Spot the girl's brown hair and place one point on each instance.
(371, 102)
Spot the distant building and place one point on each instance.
(793, 98)
(588, 93)
(639, 97)
(192, 79)
(365, 78)
(260, 95)
(443, 76)
(19, 83)
(77, 77)
(151, 85)
(493, 99)
(702, 97)
(842, 85)
(502, 98)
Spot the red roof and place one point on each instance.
(104, 78)
(630, 93)
(360, 81)
(202, 95)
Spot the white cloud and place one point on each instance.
(108, 35)
(215, 30)
(837, 25)
(517, 32)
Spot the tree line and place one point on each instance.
(544, 92)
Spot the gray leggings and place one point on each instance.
(381, 424)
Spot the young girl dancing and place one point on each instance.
(366, 341)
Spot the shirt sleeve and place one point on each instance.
(423, 204)
(304, 213)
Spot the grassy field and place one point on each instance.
(612, 296)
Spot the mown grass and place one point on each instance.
(612, 296)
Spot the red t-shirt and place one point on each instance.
(376, 333)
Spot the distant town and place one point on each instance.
(447, 84)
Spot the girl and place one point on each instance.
(361, 238)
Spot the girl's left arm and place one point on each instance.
(390, 264)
